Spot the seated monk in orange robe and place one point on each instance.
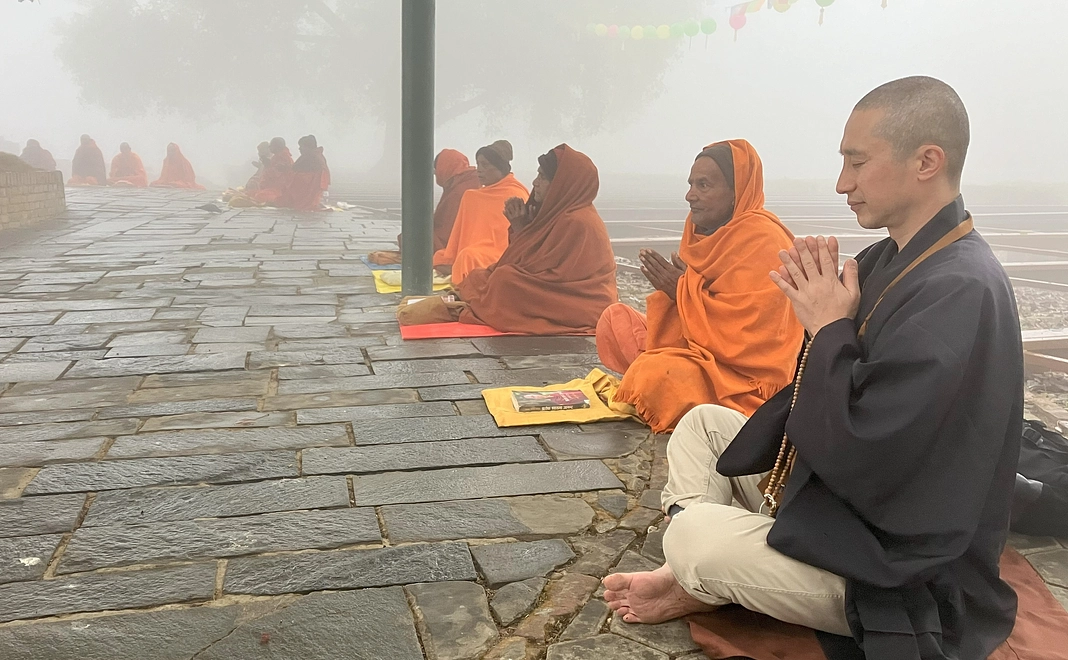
(127, 169)
(276, 177)
(558, 274)
(263, 151)
(87, 166)
(177, 171)
(311, 177)
(718, 329)
(480, 233)
(38, 157)
(453, 172)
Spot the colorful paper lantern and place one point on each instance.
(677, 30)
(692, 28)
(637, 32)
(591, 28)
(650, 31)
(738, 21)
(663, 32)
(624, 32)
(708, 26)
(601, 30)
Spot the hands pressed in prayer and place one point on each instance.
(662, 274)
(517, 212)
(809, 278)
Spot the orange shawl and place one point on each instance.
(310, 177)
(480, 234)
(177, 171)
(87, 168)
(731, 338)
(558, 273)
(275, 178)
(455, 176)
(127, 169)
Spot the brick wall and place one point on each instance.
(27, 198)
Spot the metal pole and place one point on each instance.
(417, 145)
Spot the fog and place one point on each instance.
(785, 83)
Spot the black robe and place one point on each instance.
(907, 443)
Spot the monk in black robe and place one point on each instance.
(879, 505)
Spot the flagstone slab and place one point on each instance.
(76, 386)
(63, 356)
(435, 365)
(67, 430)
(207, 390)
(147, 350)
(671, 637)
(469, 392)
(177, 408)
(455, 619)
(218, 420)
(98, 592)
(205, 379)
(44, 416)
(501, 563)
(361, 414)
(26, 557)
(32, 371)
(28, 454)
(269, 359)
(150, 365)
(231, 335)
(60, 401)
(479, 482)
(178, 470)
(448, 453)
(228, 441)
(152, 505)
(502, 346)
(539, 515)
(423, 349)
(514, 600)
(339, 400)
(30, 516)
(323, 371)
(107, 316)
(349, 569)
(529, 377)
(453, 427)
(92, 548)
(603, 646)
(316, 385)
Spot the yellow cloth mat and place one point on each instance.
(388, 281)
(599, 388)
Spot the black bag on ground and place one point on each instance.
(1041, 509)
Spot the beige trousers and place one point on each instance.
(719, 552)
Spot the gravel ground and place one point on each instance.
(1041, 309)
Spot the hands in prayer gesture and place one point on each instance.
(517, 212)
(664, 275)
(809, 278)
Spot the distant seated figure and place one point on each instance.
(453, 172)
(276, 177)
(480, 233)
(717, 330)
(177, 171)
(558, 274)
(87, 166)
(311, 177)
(263, 151)
(127, 169)
(38, 157)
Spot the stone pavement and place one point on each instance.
(213, 444)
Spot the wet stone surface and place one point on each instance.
(501, 563)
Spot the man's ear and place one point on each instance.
(931, 161)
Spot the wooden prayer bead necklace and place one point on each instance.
(784, 463)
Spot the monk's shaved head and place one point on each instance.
(920, 110)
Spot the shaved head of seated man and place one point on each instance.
(719, 329)
(877, 489)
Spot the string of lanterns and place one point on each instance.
(693, 27)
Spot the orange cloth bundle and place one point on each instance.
(128, 170)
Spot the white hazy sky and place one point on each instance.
(786, 84)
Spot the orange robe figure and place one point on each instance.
(480, 234)
(558, 274)
(730, 337)
(177, 171)
(311, 178)
(37, 156)
(127, 170)
(276, 178)
(87, 166)
(455, 175)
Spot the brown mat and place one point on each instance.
(1041, 631)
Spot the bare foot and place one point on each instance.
(650, 597)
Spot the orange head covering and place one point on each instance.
(448, 164)
(177, 171)
(730, 337)
(558, 273)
